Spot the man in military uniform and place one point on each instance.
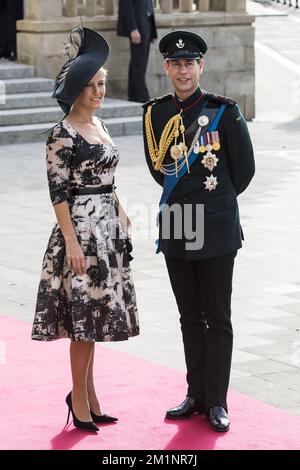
(198, 148)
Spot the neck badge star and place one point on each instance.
(211, 182)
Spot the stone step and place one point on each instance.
(27, 85)
(11, 70)
(27, 100)
(44, 99)
(111, 109)
(32, 132)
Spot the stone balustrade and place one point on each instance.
(45, 10)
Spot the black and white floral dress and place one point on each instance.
(101, 304)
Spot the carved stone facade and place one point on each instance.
(227, 28)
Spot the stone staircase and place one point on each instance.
(27, 109)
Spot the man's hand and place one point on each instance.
(135, 36)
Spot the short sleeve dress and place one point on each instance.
(101, 304)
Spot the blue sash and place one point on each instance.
(170, 181)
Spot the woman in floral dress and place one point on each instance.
(86, 291)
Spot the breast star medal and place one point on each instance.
(210, 161)
(210, 183)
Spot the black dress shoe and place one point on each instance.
(218, 418)
(84, 425)
(12, 56)
(186, 409)
(103, 418)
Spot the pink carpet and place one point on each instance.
(35, 379)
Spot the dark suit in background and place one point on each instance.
(10, 12)
(137, 15)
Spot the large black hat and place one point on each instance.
(90, 52)
(182, 45)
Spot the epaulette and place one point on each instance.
(158, 99)
(220, 99)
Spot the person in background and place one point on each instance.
(10, 12)
(136, 20)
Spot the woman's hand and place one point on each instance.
(75, 257)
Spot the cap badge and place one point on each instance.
(180, 44)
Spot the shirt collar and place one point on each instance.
(189, 102)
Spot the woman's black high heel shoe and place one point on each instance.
(84, 425)
(103, 418)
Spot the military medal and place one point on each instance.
(210, 141)
(215, 140)
(202, 148)
(211, 182)
(210, 161)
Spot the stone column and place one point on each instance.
(100, 7)
(228, 5)
(186, 6)
(42, 9)
(203, 5)
(110, 7)
(71, 8)
(166, 6)
(91, 7)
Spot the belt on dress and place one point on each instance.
(93, 190)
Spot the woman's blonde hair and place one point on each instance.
(104, 71)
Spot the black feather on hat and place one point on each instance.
(76, 43)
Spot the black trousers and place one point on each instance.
(137, 87)
(203, 294)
